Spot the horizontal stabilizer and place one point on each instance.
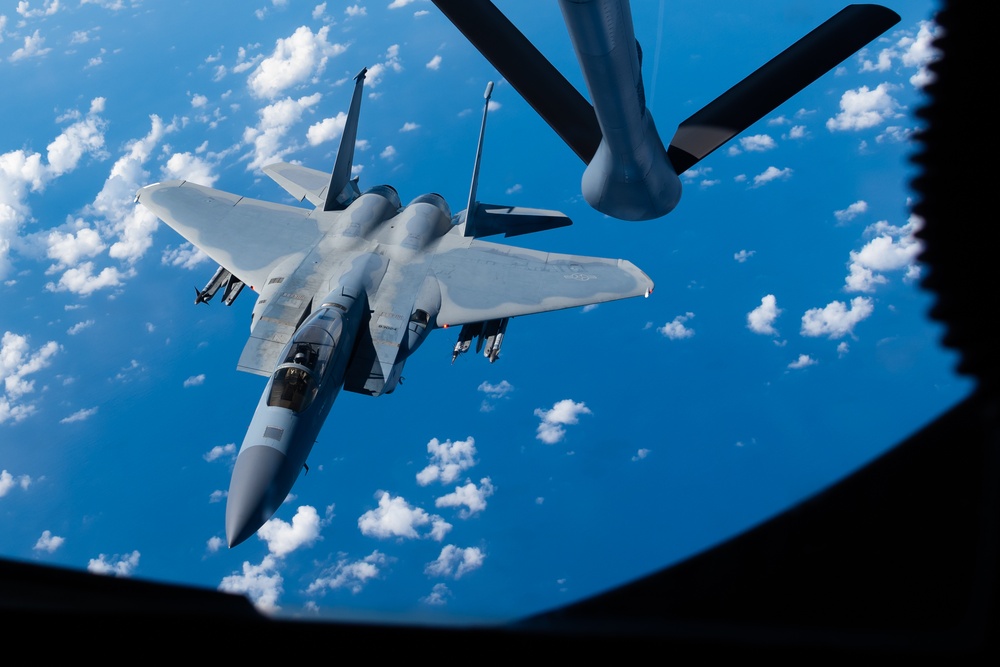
(491, 219)
(302, 183)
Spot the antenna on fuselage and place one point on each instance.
(470, 209)
(344, 189)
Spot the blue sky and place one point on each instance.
(785, 345)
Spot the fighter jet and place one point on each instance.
(629, 174)
(349, 288)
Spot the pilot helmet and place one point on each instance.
(300, 358)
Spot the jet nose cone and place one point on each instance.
(252, 492)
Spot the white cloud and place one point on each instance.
(49, 542)
(892, 249)
(641, 454)
(836, 320)
(79, 326)
(326, 130)
(295, 60)
(864, 108)
(79, 416)
(434, 63)
(195, 380)
(188, 167)
(496, 390)
(32, 48)
(455, 562)
(564, 412)
(283, 538)
(761, 319)
(219, 451)
(438, 596)
(214, 544)
(409, 127)
(8, 482)
(803, 361)
(185, 256)
(17, 362)
(68, 248)
(771, 174)
(758, 143)
(914, 52)
(275, 121)
(352, 575)
(448, 460)
(744, 255)
(395, 517)
(262, 584)
(470, 497)
(119, 566)
(21, 172)
(676, 330)
(852, 211)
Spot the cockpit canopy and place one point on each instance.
(307, 357)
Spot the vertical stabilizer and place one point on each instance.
(471, 208)
(343, 189)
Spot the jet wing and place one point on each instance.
(248, 237)
(489, 281)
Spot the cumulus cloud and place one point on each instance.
(498, 390)
(185, 256)
(283, 538)
(836, 319)
(70, 246)
(396, 518)
(214, 544)
(851, 212)
(275, 122)
(761, 319)
(22, 172)
(757, 143)
(675, 329)
(912, 51)
(326, 130)
(17, 362)
(194, 381)
(864, 108)
(438, 596)
(262, 584)
(352, 575)
(892, 248)
(119, 566)
(33, 48)
(771, 174)
(9, 482)
(803, 361)
(297, 59)
(471, 498)
(744, 255)
(563, 413)
(448, 460)
(434, 63)
(190, 167)
(79, 326)
(48, 542)
(219, 451)
(454, 562)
